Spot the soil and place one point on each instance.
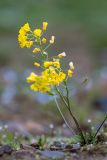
(28, 152)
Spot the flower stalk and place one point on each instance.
(67, 104)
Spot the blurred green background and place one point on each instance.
(80, 28)
(81, 24)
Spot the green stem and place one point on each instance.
(99, 128)
(62, 97)
(69, 109)
(40, 46)
(78, 127)
(47, 47)
(67, 94)
(72, 115)
(63, 115)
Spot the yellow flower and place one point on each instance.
(63, 54)
(44, 82)
(25, 28)
(56, 64)
(41, 85)
(45, 24)
(22, 40)
(29, 44)
(44, 40)
(53, 78)
(48, 64)
(36, 64)
(52, 40)
(62, 76)
(36, 50)
(22, 37)
(40, 88)
(70, 73)
(32, 78)
(38, 32)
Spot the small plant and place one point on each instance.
(9, 138)
(52, 78)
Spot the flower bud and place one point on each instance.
(45, 24)
(52, 40)
(63, 54)
(71, 65)
(37, 64)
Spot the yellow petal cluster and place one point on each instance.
(48, 64)
(56, 64)
(22, 37)
(46, 80)
(53, 77)
(52, 63)
(32, 77)
(28, 37)
(39, 83)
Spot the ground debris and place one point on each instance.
(23, 155)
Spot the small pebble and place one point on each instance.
(57, 144)
(76, 146)
(7, 149)
(68, 147)
(52, 154)
(35, 145)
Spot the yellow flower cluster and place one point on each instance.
(23, 38)
(52, 73)
(46, 80)
(39, 83)
(27, 37)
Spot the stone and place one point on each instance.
(52, 154)
(7, 149)
(23, 155)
